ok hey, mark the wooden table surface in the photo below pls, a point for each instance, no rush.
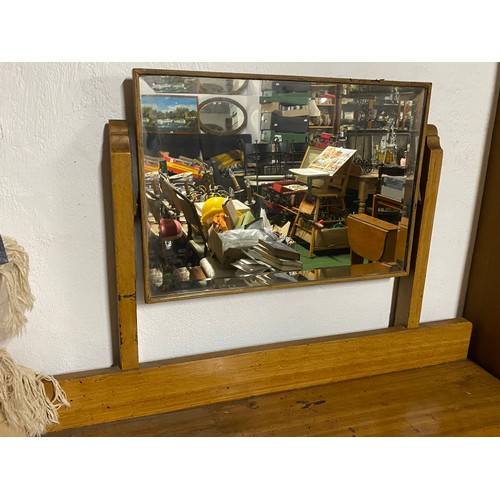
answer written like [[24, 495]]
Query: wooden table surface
[[451, 399]]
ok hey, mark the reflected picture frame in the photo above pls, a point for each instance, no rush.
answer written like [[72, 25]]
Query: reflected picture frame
[[169, 114], [312, 152]]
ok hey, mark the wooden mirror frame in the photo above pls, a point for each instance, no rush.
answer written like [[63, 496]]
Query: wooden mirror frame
[[348, 273]]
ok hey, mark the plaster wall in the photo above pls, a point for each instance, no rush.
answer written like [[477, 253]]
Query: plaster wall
[[54, 201]]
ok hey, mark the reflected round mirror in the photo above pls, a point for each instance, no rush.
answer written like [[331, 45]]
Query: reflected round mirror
[[222, 116]]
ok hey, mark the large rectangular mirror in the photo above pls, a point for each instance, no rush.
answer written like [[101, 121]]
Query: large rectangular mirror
[[252, 182]]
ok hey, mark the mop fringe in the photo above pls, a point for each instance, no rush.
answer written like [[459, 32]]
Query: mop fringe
[[24, 404], [14, 277], [23, 399]]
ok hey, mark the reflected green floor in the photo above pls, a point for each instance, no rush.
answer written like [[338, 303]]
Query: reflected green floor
[[322, 260]]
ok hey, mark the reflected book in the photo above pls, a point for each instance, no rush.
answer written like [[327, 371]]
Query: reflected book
[[331, 159], [260, 254], [279, 249]]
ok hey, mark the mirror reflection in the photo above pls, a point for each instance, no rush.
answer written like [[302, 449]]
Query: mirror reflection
[[221, 86], [222, 116], [289, 182]]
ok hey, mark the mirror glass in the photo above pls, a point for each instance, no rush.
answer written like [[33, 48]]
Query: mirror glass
[[291, 181], [221, 86], [222, 116]]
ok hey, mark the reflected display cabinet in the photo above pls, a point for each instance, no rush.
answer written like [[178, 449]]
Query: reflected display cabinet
[[254, 182]]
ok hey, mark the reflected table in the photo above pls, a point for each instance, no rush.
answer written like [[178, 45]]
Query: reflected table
[[310, 174], [365, 184]]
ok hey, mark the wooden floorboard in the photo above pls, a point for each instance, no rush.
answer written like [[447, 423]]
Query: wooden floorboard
[[451, 399]]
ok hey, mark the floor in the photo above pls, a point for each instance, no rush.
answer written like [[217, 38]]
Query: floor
[[453, 399]]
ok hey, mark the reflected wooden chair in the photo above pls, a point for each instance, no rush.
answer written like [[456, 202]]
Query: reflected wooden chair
[[187, 215], [169, 192], [384, 206], [196, 232], [154, 204], [324, 204]]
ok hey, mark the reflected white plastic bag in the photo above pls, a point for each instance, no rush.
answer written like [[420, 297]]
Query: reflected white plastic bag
[[240, 238]]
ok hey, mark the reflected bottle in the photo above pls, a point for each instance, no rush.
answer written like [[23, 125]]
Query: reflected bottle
[[381, 151], [390, 155], [379, 155], [405, 158], [391, 152]]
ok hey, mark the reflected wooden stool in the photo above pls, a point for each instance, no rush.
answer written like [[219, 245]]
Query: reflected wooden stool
[[311, 217], [322, 205]]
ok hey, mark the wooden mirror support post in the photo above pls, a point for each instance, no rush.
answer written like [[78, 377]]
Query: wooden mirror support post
[[123, 226], [409, 290], [136, 389]]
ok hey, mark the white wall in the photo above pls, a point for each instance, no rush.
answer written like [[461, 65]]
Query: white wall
[[52, 200]]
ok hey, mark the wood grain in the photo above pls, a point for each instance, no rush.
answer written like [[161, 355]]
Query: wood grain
[[123, 227], [371, 238], [410, 289], [134, 390], [114, 395], [451, 399]]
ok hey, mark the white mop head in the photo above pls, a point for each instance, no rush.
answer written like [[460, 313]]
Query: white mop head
[[15, 293]]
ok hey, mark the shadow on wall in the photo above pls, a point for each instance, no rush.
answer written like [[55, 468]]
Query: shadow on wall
[[128, 98]]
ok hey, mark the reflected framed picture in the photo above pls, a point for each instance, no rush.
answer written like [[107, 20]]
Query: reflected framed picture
[[170, 114], [311, 154]]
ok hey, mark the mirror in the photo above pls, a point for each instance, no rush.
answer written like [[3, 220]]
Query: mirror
[[222, 116], [221, 86], [292, 181]]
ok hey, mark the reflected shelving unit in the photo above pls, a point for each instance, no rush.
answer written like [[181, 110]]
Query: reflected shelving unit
[[323, 120]]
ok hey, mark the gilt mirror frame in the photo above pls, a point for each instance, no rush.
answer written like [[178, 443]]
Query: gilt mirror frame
[[192, 172]]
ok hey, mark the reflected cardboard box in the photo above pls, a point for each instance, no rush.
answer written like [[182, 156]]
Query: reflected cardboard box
[[328, 238], [288, 111], [224, 257]]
